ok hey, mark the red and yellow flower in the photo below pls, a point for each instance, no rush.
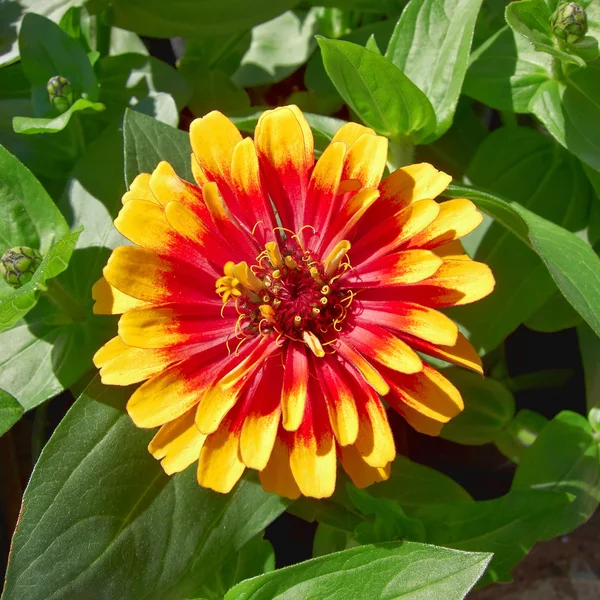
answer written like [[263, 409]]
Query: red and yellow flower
[[268, 306]]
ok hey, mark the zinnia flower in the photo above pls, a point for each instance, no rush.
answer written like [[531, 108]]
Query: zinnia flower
[[268, 306]]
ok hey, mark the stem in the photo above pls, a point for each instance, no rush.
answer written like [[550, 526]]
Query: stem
[[557, 69], [65, 302], [401, 152], [77, 135], [38, 431]]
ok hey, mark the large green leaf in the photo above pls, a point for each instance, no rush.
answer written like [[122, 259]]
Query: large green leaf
[[507, 526], [278, 48], [505, 72], [570, 111], [565, 458], [572, 264], [377, 91], [32, 125], [431, 45], [30, 217], [52, 347], [11, 17], [397, 570], [527, 167], [10, 411], [47, 51], [148, 141], [101, 520], [489, 406], [192, 17]]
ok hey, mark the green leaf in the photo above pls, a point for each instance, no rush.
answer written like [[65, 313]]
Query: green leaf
[[570, 111], [520, 434], [329, 539], [430, 45], [11, 16], [222, 53], [508, 526], [555, 314], [30, 217], [213, 90], [572, 264], [505, 72], [589, 348], [10, 411], [255, 558], [489, 406], [100, 518], [564, 458], [278, 48], [30, 125], [13, 83], [128, 78], [156, 18], [148, 141], [19, 302], [46, 51], [377, 91], [531, 19], [397, 570], [526, 167], [52, 347]]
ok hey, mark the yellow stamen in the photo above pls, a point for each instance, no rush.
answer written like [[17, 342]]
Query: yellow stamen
[[247, 277], [323, 300], [297, 320], [325, 290], [267, 312], [290, 263], [276, 274], [316, 312], [312, 341], [274, 254], [335, 257]]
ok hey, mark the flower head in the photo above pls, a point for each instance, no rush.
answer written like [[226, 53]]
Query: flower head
[[268, 306]]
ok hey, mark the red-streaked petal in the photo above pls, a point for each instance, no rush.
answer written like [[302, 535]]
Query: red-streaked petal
[[247, 186], [456, 219], [389, 234], [322, 197], [295, 384], [370, 374], [162, 326], [456, 282], [167, 187], [227, 386], [384, 347], [213, 139], [339, 400], [121, 364], [285, 150], [361, 473], [146, 275], [413, 183], [461, 353], [399, 268], [111, 301], [420, 422], [428, 392], [366, 159], [277, 476], [220, 465], [176, 390], [313, 454], [177, 444], [413, 319]]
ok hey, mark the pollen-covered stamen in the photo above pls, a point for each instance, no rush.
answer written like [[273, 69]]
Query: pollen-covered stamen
[[290, 293]]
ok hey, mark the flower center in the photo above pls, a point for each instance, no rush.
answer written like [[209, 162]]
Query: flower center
[[290, 292]]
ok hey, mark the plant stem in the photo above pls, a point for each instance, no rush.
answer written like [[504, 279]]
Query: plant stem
[[65, 302], [401, 152]]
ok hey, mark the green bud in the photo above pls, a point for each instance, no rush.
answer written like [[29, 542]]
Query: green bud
[[18, 265], [60, 93], [569, 22]]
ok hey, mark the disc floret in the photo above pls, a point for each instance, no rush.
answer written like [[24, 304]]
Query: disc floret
[[291, 293]]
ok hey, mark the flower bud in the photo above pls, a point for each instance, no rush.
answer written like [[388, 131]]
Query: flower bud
[[569, 22], [18, 265], [60, 92]]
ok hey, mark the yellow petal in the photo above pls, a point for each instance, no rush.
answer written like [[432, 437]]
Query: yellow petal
[[361, 473], [110, 301], [140, 190], [277, 476], [366, 159]]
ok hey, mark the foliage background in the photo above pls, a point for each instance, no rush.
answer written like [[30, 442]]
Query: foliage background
[[482, 90]]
